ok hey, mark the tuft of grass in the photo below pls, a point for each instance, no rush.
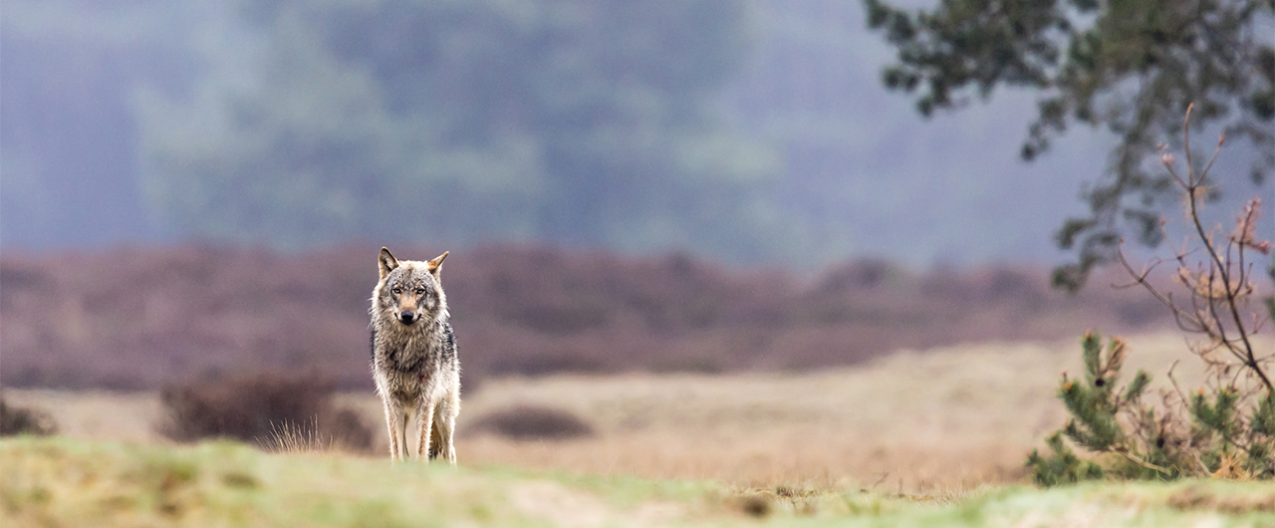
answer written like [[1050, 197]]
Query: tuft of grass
[[289, 437]]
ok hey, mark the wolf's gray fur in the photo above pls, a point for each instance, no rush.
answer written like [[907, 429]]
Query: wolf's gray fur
[[414, 361]]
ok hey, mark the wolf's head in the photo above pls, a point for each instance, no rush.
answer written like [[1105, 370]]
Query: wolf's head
[[409, 290]]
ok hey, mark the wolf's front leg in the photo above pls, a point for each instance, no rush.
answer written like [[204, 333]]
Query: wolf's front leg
[[395, 421], [445, 421], [403, 417], [424, 419]]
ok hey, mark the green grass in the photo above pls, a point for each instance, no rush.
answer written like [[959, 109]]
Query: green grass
[[65, 482]]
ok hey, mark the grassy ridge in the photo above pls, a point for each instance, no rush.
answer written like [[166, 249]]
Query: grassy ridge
[[64, 482]]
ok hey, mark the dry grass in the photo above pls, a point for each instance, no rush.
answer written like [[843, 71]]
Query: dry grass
[[945, 420], [96, 415], [294, 438]]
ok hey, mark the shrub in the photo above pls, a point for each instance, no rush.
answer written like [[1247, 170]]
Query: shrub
[[19, 420], [532, 422], [1225, 430], [271, 409], [1110, 421]]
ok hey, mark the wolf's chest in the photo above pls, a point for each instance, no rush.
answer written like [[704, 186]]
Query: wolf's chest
[[415, 357]]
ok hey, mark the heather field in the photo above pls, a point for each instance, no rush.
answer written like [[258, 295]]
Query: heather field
[[134, 319]]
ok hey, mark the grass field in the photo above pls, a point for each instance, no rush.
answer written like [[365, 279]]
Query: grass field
[[919, 438], [941, 420], [68, 482]]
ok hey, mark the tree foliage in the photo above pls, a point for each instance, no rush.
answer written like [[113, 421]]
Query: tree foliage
[[1132, 66], [570, 121]]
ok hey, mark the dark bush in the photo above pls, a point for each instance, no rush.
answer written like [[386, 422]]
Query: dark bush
[[18, 420], [532, 422], [347, 430], [255, 408]]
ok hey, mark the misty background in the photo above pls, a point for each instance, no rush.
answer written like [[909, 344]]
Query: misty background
[[751, 133]]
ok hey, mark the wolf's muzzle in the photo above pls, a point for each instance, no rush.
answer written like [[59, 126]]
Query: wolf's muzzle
[[406, 317]]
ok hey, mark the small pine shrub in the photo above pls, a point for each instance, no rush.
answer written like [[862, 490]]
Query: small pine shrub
[[257, 408], [1062, 466], [1108, 420], [1226, 430], [1209, 436]]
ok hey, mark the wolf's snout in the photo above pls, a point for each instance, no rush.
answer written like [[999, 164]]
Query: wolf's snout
[[406, 316]]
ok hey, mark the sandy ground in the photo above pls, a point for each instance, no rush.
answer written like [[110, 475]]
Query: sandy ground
[[937, 420]]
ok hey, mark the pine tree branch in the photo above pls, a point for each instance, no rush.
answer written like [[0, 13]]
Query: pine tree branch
[[1144, 463]]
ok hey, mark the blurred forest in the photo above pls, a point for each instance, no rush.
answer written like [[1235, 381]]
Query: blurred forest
[[749, 132]]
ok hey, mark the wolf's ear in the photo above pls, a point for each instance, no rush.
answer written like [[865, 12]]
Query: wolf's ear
[[387, 262], [437, 263]]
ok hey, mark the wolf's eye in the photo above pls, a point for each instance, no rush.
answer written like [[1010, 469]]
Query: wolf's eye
[[397, 291], [420, 291]]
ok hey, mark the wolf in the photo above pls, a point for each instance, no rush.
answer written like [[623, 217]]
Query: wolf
[[414, 362]]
